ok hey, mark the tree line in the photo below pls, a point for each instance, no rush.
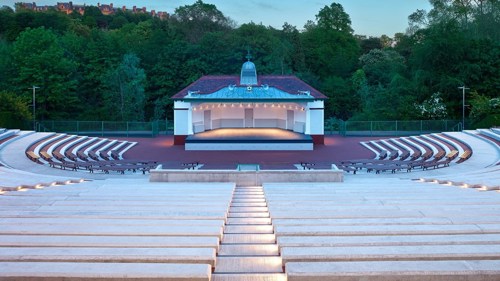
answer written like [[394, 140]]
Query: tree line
[[125, 66]]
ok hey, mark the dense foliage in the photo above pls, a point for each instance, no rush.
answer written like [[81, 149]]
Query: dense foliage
[[126, 66]]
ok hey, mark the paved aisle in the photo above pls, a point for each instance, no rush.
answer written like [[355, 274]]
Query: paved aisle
[[248, 250]]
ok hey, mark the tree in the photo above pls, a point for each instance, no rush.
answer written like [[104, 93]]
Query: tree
[[432, 108], [334, 17], [39, 59], [381, 65], [124, 95], [485, 111], [197, 19], [14, 110], [342, 101]]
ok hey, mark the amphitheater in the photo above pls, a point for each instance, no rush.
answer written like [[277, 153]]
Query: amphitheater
[[79, 208]]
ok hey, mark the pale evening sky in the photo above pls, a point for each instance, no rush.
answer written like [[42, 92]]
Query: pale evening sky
[[369, 17]]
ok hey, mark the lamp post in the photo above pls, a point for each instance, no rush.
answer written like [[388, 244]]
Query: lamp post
[[34, 106], [463, 105]]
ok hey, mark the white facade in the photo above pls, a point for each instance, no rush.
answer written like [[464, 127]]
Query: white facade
[[301, 117]]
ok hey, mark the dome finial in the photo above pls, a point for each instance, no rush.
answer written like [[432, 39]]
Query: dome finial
[[249, 55]]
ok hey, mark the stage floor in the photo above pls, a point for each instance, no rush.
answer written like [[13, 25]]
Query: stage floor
[[249, 135], [249, 139]]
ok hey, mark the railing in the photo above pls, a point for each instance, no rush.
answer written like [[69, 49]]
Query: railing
[[390, 128], [106, 128], [332, 126]]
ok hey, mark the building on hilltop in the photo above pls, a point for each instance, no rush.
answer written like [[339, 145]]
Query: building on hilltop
[[249, 100], [106, 9]]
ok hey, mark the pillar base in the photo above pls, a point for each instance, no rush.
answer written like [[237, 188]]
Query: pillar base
[[318, 139], [180, 139]]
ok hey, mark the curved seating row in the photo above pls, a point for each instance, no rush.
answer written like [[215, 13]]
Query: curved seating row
[[408, 153], [85, 153]]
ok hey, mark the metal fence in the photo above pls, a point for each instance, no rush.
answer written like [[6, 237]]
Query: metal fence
[[390, 128], [332, 126], [106, 128]]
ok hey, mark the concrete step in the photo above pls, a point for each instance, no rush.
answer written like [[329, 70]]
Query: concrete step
[[248, 250], [129, 255], [248, 215], [381, 253], [248, 192], [95, 222], [247, 209], [248, 200], [129, 208], [389, 240], [346, 214], [353, 230], [233, 221], [111, 230], [475, 270], [248, 265], [56, 271], [248, 196], [248, 239], [249, 277], [369, 221], [182, 215], [108, 241], [257, 204], [248, 229]]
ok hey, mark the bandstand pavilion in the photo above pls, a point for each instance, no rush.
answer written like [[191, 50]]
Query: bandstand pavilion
[[249, 112]]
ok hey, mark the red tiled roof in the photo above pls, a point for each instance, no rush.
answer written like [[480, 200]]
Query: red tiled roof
[[287, 83]]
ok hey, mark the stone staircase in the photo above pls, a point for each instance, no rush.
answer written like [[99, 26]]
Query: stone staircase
[[248, 250]]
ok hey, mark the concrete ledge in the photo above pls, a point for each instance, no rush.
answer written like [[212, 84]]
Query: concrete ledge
[[109, 241], [357, 230], [23, 271], [486, 270], [112, 230], [246, 177], [394, 253], [125, 255], [389, 240]]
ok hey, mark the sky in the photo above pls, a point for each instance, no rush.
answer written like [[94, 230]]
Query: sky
[[368, 17]]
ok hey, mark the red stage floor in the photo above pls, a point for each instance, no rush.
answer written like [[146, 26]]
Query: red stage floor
[[161, 149]]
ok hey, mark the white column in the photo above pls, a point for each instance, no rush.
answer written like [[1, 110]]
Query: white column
[[315, 117], [183, 124]]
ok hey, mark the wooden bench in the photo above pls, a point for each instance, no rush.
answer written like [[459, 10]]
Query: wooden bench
[[452, 154], [93, 155], [393, 155], [115, 155], [32, 156], [383, 154], [464, 156], [470, 270], [56, 271], [104, 155], [82, 156], [404, 155], [45, 155], [306, 165]]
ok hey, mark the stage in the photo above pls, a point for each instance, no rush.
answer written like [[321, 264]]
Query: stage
[[249, 139]]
